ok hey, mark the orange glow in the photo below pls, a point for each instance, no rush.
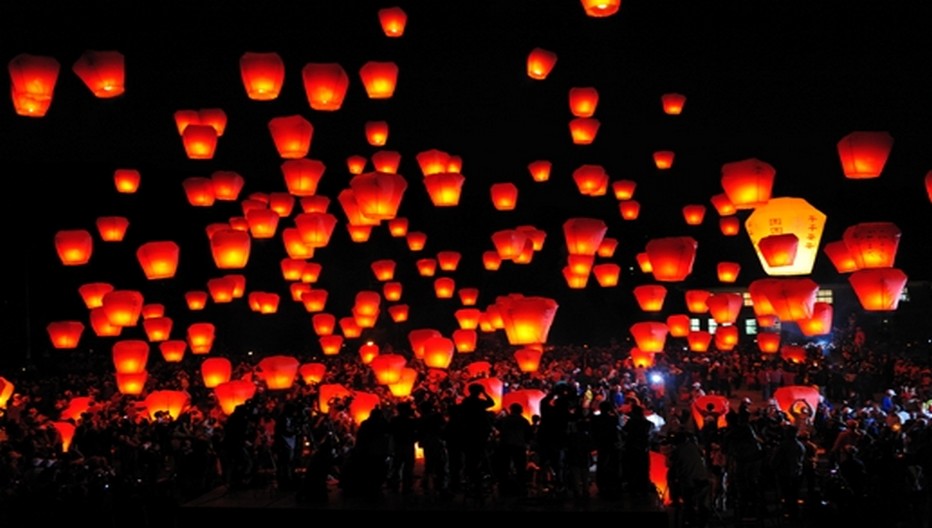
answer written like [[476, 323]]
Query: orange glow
[[650, 297], [673, 103], [663, 159], [600, 8], [540, 170], [583, 130], [262, 74], [126, 180], [200, 141], [393, 21], [325, 85], [112, 228], [159, 259], [540, 63], [32, 83], [292, 135], [728, 271], [694, 214], [863, 154], [103, 72], [583, 101], [65, 334], [444, 188], [504, 196], [379, 79], [607, 274], [74, 246], [377, 133]]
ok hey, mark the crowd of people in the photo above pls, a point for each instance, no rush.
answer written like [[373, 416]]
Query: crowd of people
[[600, 424]]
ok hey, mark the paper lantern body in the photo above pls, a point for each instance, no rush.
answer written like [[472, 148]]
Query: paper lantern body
[[262, 74], [863, 154]]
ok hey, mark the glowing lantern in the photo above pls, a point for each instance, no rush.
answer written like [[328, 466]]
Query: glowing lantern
[[231, 394], [331, 393], [379, 79], [790, 299], [694, 214], [131, 384], [779, 250], [387, 368], [576, 281], [698, 340], [591, 180], [384, 269], [112, 228], [444, 188], [159, 260], [643, 260], [433, 161], [262, 74], [399, 312], [821, 321], [427, 267], [153, 310], [723, 205], [220, 290], [719, 405], [199, 191], [878, 289], [368, 352], [438, 352], [172, 402], [65, 432], [872, 244], [226, 185], [65, 334], [292, 268], [766, 320], [504, 196], [748, 183], [377, 133], [726, 338], [696, 301], [416, 240], [841, 258], [600, 8], [584, 235], [230, 248], [314, 300], [793, 354], [624, 189], [393, 21], [494, 388], [324, 323], [584, 129], [92, 293], [157, 328], [465, 340], [444, 287], [729, 225], [122, 307], [650, 297], [529, 399], [540, 63], [386, 161], [302, 175], [214, 117], [418, 337], [183, 118], [74, 246], [201, 337], [526, 320], [392, 291], [126, 180], [768, 342], [663, 159], [6, 391], [32, 83], [671, 258], [678, 325], [352, 326], [725, 307], [130, 356], [330, 345], [528, 359], [449, 260], [215, 371], [640, 358], [325, 85], [797, 400], [264, 302], [362, 405], [607, 274], [728, 271], [491, 260], [650, 336], [278, 371], [312, 373], [315, 228], [673, 103], [540, 170], [928, 184], [101, 325], [629, 209], [173, 350], [292, 135], [509, 243], [200, 141], [378, 194], [102, 72], [583, 101], [398, 227], [863, 154], [787, 216]]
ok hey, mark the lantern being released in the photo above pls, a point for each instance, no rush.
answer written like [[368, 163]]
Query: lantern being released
[[781, 217]]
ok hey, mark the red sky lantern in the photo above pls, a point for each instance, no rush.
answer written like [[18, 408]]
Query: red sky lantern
[[444, 188], [227, 185], [315, 300], [673, 103], [583, 101], [325, 85], [312, 373], [130, 356], [720, 405], [377, 133], [173, 350], [101, 325], [671, 258], [433, 161], [841, 258], [312, 271], [790, 299], [663, 159], [131, 384], [878, 289], [528, 359], [540, 63], [591, 180], [298, 289], [392, 291], [694, 214], [444, 287], [607, 247], [696, 301], [379, 194], [491, 260], [103, 72], [863, 154], [282, 203], [768, 342], [650, 297], [640, 358], [92, 293], [386, 160], [650, 336], [172, 402], [468, 296], [65, 334], [123, 307], [32, 83], [230, 248], [509, 243], [748, 183], [583, 130], [526, 320], [384, 269], [928, 184], [781, 217], [438, 352], [379, 79], [126, 180], [728, 272], [467, 318], [624, 189], [583, 235], [112, 228], [399, 312], [264, 302], [157, 328], [449, 260], [576, 281], [262, 74], [292, 135], [278, 371], [426, 267], [387, 368], [362, 404], [723, 205], [398, 226], [199, 191], [600, 8], [316, 229], [607, 274], [196, 299], [698, 340], [351, 327], [416, 240], [324, 323], [302, 175], [821, 321], [393, 21], [200, 141], [540, 170], [729, 225], [221, 290], [465, 340], [504, 196], [330, 392], [201, 337], [183, 118], [214, 117], [779, 250], [726, 338], [292, 268], [152, 310], [159, 259], [330, 345], [678, 325], [872, 244], [356, 164], [74, 246], [725, 307], [231, 394], [629, 209], [793, 354], [643, 260]]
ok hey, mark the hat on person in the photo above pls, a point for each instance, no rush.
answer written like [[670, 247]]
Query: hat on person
[[697, 385]]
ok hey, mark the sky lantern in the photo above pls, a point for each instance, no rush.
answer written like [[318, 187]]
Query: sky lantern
[[353, 211], [230, 248], [262, 74], [509, 243], [720, 405], [74, 246], [199, 191], [173, 350], [927, 181], [841, 258], [723, 205], [330, 393], [444, 287], [624, 189], [352, 326], [449, 260], [694, 214], [377, 133], [444, 188], [231, 394], [379, 78], [540, 170], [583, 235], [315, 299], [724, 307], [227, 185], [65, 334], [278, 371], [292, 268], [650, 336], [6, 391], [311, 272], [157, 328], [673, 103], [663, 159], [748, 183], [779, 250], [32, 83], [726, 337], [131, 384], [438, 352], [426, 267], [418, 337], [607, 274], [433, 161], [872, 244], [387, 368], [159, 259], [797, 400], [529, 399], [528, 359], [302, 175], [671, 258], [393, 20], [315, 228], [330, 345], [101, 325], [821, 321], [465, 340], [600, 8], [196, 299], [504, 196], [591, 180], [392, 291], [477, 369], [378, 194], [416, 240], [292, 135], [356, 164], [678, 325], [729, 225], [362, 404], [325, 85], [494, 387], [526, 320], [697, 301], [282, 203], [540, 63], [92, 293], [583, 101], [786, 216], [768, 342], [404, 386], [201, 337], [650, 297], [607, 247], [130, 355], [172, 402], [153, 310], [298, 289], [103, 72], [640, 358], [386, 160], [575, 280], [200, 141], [264, 302], [112, 228], [629, 209], [220, 289], [77, 405], [398, 226], [698, 340], [324, 323], [584, 129], [312, 373], [878, 289], [863, 154], [399, 312], [384, 269], [728, 271], [122, 307], [126, 180], [468, 296], [643, 260], [491, 260], [791, 299]]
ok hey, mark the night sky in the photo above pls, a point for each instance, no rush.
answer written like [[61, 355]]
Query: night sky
[[779, 81]]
